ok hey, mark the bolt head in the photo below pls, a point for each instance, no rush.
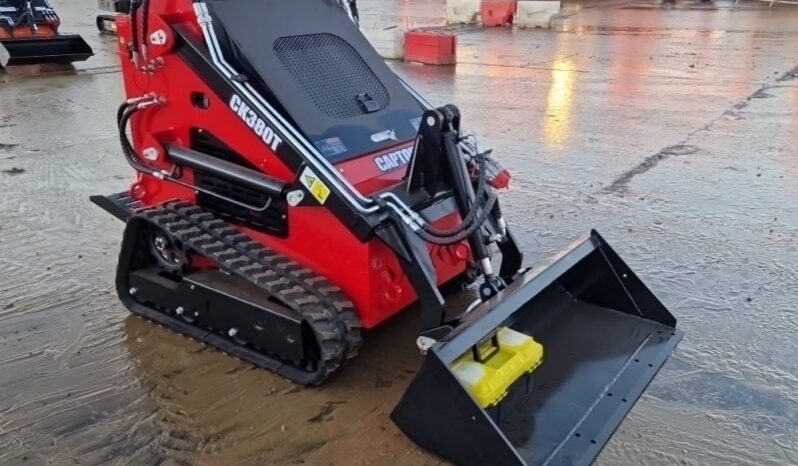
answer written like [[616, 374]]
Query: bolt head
[[151, 153], [161, 243], [232, 332], [158, 37], [180, 311], [133, 290], [295, 197]]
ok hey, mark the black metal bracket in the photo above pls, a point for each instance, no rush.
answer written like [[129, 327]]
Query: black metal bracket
[[417, 265], [428, 167], [438, 163]]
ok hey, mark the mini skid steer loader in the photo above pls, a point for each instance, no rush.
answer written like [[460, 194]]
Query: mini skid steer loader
[[291, 190], [29, 35]]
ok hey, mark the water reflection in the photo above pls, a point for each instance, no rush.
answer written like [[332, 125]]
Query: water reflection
[[559, 102]]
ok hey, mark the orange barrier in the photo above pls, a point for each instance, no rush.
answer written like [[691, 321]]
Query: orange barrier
[[498, 12], [431, 47]]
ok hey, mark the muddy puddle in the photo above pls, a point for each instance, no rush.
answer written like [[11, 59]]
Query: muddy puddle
[[149, 396]]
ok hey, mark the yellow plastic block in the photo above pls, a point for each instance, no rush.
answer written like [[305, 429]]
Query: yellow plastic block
[[488, 381]]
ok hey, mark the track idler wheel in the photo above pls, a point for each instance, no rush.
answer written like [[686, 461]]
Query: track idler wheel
[[169, 252]]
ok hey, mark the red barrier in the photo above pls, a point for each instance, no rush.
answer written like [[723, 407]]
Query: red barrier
[[430, 47], [498, 12]]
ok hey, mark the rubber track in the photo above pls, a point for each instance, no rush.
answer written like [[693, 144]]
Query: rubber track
[[325, 308]]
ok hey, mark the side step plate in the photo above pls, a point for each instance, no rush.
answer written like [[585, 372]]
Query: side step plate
[[605, 336], [120, 205]]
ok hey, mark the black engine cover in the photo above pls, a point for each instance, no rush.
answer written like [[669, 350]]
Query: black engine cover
[[311, 61]]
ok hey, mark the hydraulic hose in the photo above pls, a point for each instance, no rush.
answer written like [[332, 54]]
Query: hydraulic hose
[[120, 111], [125, 111], [469, 219], [123, 115], [484, 211]]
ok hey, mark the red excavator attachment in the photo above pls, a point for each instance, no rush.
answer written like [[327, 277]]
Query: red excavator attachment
[[29, 35]]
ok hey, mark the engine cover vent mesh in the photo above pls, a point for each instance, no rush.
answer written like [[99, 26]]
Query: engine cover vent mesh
[[332, 73]]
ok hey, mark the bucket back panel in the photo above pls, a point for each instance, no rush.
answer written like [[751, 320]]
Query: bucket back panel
[[311, 59], [619, 288], [63, 48], [592, 354]]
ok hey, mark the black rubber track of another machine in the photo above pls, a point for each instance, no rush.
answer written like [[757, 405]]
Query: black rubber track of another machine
[[324, 307]]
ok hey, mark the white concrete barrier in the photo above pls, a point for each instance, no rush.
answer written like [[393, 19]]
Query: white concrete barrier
[[462, 11], [536, 13], [389, 43], [4, 56]]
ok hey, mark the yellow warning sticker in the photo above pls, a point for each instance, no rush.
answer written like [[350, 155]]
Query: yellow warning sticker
[[320, 191], [314, 185]]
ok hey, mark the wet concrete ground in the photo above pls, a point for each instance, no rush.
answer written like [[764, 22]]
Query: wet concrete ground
[[673, 131]]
